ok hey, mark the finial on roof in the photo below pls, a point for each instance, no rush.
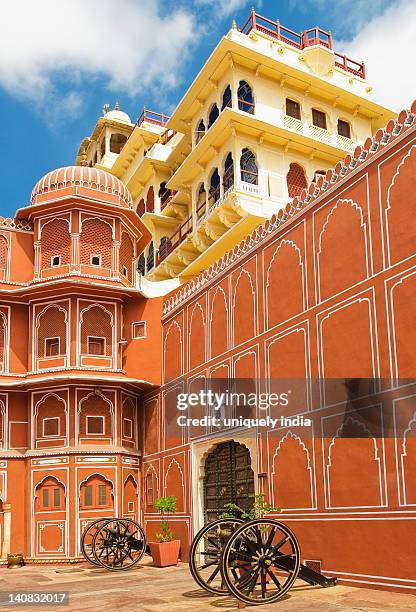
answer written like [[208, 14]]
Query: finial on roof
[[234, 25], [116, 106]]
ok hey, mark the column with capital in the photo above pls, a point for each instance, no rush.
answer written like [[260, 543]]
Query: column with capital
[[7, 524], [75, 263], [116, 259], [36, 271]]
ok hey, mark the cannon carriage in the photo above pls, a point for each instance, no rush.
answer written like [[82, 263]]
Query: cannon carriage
[[256, 561]]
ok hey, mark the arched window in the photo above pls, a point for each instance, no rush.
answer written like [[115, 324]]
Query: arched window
[[164, 247], [150, 256], [55, 252], [50, 417], [213, 115], [117, 142], [150, 200], [200, 131], [141, 265], [49, 495], [96, 492], [51, 332], [248, 167], [3, 348], [126, 256], [141, 208], [96, 243], [201, 200], [3, 253], [245, 98], [96, 332], [226, 98], [228, 176], [296, 180], [214, 188], [163, 194], [95, 417]]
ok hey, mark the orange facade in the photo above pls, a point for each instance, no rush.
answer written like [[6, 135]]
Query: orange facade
[[324, 290]]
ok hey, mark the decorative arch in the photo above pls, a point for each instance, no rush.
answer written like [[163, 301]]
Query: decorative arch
[[172, 353], [96, 239], [197, 342], [228, 173], [130, 496], [213, 114], [52, 322], [292, 478], [150, 200], [200, 131], [45, 497], [54, 406], [408, 463], [51, 246], [174, 484], [95, 404], [214, 187], [4, 252], [4, 342], [219, 323], [296, 180], [245, 97], [96, 492], [342, 249], [96, 321], [244, 308], [399, 214], [349, 455], [151, 487], [226, 98], [284, 270]]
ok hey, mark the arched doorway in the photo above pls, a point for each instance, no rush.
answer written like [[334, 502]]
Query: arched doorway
[[228, 478]]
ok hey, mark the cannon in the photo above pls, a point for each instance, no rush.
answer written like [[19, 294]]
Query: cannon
[[116, 544], [257, 561]]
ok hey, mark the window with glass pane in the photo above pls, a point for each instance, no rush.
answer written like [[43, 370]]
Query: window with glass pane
[[319, 118], [102, 495], [45, 498], [56, 498], [51, 347], [96, 345], [292, 108], [344, 128], [88, 495]]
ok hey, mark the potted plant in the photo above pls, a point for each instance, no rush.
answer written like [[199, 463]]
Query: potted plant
[[165, 551]]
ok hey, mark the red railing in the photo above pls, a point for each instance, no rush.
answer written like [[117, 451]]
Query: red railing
[[176, 239], [166, 197], [314, 36], [152, 117], [166, 136]]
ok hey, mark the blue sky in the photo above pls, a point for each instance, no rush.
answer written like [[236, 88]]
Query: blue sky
[[61, 60]]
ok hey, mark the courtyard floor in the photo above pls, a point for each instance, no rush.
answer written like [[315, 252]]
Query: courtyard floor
[[151, 589]]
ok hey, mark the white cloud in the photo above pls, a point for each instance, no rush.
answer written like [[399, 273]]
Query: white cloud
[[387, 44], [225, 8], [48, 48]]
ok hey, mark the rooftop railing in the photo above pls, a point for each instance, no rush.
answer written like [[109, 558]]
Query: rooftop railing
[[152, 117], [308, 38]]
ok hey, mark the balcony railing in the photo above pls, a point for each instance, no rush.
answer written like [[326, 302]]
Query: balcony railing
[[246, 106], [166, 136], [152, 117], [166, 197], [308, 38], [174, 241]]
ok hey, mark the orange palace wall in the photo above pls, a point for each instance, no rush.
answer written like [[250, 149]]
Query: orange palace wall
[[327, 289]]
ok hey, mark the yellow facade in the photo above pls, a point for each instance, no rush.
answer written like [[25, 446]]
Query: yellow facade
[[288, 109]]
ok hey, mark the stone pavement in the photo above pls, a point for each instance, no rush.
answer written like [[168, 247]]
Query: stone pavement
[[151, 589]]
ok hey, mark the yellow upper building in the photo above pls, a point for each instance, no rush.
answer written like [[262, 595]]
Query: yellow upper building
[[269, 111]]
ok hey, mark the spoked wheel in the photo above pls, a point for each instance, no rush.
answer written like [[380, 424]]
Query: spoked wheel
[[260, 561], [87, 538], [204, 556], [119, 544]]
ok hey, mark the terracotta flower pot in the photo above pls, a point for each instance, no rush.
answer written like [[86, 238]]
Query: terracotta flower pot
[[165, 553], [14, 560]]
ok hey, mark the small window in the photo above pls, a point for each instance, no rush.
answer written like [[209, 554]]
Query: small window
[[319, 119], [102, 495], [45, 498], [344, 128], [88, 495], [56, 260], [56, 498], [52, 347], [128, 428], [139, 329], [95, 425], [96, 346], [149, 489], [51, 426], [317, 174], [95, 260], [125, 271], [130, 506], [292, 109]]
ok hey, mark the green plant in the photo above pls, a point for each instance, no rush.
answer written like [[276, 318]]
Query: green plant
[[165, 506], [259, 509]]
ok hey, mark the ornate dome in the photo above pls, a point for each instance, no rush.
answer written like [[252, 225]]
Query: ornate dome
[[81, 181], [118, 115]]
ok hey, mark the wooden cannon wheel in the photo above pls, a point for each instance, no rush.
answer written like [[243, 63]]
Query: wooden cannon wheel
[[118, 544], [260, 561], [87, 539], [205, 553]]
